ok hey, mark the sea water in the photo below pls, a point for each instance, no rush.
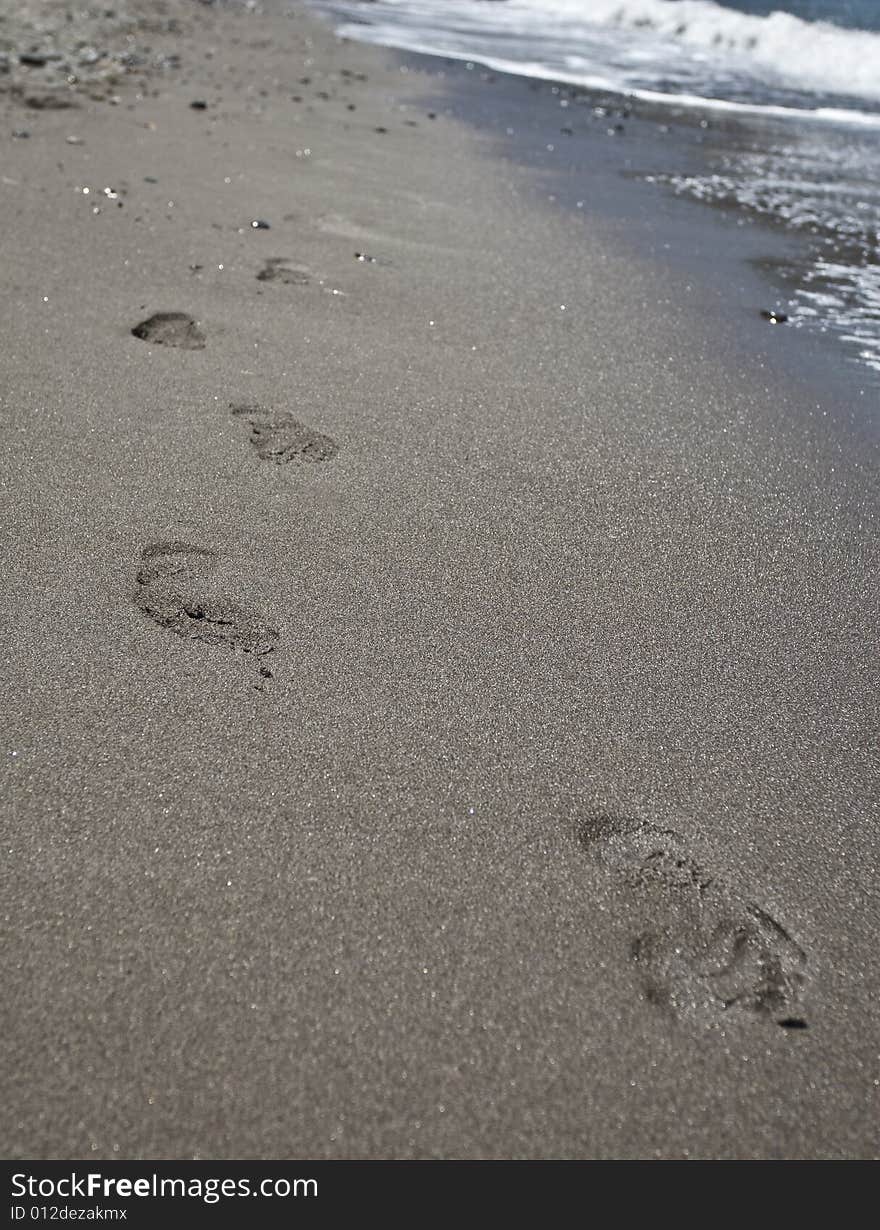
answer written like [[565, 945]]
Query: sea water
[[800, 77]]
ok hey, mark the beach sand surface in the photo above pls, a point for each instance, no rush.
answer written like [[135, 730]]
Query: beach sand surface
[[439, 689]]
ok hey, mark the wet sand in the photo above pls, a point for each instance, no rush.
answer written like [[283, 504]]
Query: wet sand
[[440, 677]]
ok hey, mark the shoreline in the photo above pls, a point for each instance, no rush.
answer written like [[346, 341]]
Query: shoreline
[[762, 171], [736, 263], [568, 621]]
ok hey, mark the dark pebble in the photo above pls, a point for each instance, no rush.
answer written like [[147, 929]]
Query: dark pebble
[[259, 224], [775, 318], [199, 104]]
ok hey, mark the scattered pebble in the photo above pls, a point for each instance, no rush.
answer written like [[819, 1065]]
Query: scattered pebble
[[199, 104], [774, 317], [259, 224], [21, 134]]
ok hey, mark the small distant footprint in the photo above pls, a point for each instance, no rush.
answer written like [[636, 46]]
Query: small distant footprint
[[174, 588], [279, 269], [711, 953], [281, 438], [171, 329]]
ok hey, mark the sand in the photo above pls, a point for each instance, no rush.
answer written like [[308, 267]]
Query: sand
[[439, 666]]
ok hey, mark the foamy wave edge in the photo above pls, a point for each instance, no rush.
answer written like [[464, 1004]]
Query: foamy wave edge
[[393, 36], [815, 55]]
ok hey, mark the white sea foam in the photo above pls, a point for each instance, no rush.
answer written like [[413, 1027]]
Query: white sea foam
[[693, 51], [819, 179], [825, 190], [806, 54], [845, 299]]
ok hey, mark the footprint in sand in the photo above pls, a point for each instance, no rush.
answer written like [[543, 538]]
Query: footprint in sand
[[281, 438], [171, 329], [279, 269], [711, 954], [174, 587]]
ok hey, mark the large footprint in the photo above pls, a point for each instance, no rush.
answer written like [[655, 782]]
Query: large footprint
[[174, 588], [281, 438], [712, 954]]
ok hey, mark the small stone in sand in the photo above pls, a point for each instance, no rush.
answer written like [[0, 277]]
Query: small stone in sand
[[774, 317]]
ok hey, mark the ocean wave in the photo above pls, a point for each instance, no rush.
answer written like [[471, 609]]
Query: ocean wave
[[655, 49], [804, 53], [812, 54]]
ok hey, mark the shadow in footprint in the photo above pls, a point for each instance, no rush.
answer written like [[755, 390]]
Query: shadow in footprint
[[281, 438], [279, 269], [711, 953], [174, 589], [171, 329]]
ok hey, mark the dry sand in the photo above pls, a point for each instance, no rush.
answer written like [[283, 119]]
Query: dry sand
[[439, 722]]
